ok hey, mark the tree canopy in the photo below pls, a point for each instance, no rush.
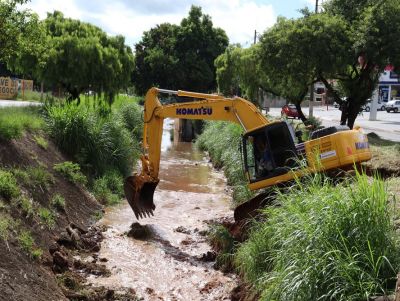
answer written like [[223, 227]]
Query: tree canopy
[[82, 57], [346, 47], [179, 56], [19, 28]]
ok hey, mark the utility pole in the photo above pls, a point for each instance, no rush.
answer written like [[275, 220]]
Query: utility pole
[[311, 105], [255, 36]]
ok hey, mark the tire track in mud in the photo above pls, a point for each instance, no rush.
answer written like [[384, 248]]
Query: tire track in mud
[[167, 264]]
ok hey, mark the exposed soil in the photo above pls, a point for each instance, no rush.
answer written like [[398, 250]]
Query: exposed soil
[[21, 276]]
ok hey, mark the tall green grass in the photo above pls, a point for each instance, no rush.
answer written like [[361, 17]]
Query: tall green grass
[[324, 243], [15, 120], [222, 141], [97, 142]]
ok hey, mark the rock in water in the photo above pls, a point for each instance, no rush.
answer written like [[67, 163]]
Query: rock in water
[[138, 231]]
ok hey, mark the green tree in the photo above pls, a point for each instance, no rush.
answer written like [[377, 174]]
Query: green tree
[[238, 72], [15, 25], [155, 59], [373, 29], [179, 56], [294, 53], [82, 57], [349, 44]]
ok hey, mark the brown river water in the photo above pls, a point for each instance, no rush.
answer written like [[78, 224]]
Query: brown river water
[[166, 266]]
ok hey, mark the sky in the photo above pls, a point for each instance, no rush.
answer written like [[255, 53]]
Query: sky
[[130, 18]]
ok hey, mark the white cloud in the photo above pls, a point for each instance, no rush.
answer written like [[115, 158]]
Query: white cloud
[[239, 18], [68, 7]]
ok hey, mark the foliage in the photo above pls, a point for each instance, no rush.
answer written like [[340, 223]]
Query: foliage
[[27, 243], [58, 202], [179, 56], [26, 206], [96, 142], [26, 240], [5, 225], [238, 72], [39, 176], [42, 142], [47, 217], [77, 57], [108, 189], [324, 242], [222, 140], [130, 114], [333, 47], [17, 25], [14, 121], [8, 185], [71, 171], [223, 242]]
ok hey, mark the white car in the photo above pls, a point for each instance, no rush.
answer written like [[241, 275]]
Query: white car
[[393, 105]]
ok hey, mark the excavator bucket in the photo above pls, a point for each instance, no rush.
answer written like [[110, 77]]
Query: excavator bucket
[[139, 193], [251, 208]]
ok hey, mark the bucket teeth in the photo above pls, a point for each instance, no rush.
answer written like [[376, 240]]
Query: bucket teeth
[[139, 191]]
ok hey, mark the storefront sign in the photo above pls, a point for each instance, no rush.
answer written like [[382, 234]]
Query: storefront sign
[[8, 88]]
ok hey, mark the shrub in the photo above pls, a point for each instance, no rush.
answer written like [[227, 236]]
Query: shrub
[[221, 140], [58, 202], [109, 188], [69, 127], [71, 171], [98, 143], [8, 185], [47, 217], [14, 120], [26, 241], [26, 206], [131, 116], [223, 242], [39, 176], [324, 243]]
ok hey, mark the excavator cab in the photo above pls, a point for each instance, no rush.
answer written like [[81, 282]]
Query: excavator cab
[[269, 152]]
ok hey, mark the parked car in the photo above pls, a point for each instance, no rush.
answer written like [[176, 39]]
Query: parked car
[[289, 111], [393, 106], [367, 106]]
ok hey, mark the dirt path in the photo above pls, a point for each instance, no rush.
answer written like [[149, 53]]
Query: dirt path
[[167, 265]]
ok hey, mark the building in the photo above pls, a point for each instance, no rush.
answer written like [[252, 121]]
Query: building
[[389, 85]]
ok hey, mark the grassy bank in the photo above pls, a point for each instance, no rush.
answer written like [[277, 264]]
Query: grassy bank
[[103, 140], [15, 120], [222, 140], [324, 242], [105, 145]]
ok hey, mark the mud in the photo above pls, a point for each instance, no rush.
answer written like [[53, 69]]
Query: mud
[[170, 260]]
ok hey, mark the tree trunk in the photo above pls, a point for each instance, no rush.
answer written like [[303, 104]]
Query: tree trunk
[[344, 107], [352, 115], [301, 114]]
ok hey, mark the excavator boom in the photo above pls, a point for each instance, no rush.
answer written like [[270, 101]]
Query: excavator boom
[[270, 155]]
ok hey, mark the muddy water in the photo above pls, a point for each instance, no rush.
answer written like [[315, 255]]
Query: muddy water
[[166, 266]]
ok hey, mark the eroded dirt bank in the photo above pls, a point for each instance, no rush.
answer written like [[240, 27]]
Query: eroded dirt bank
[[168, 264]]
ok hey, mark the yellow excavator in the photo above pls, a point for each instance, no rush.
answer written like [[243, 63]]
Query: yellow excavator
[[270, 154]]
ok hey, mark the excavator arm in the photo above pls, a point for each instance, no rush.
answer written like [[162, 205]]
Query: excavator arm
[[272, 141]]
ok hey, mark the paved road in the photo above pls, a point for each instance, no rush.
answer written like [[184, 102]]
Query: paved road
[[387, 125], [18, 103]]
